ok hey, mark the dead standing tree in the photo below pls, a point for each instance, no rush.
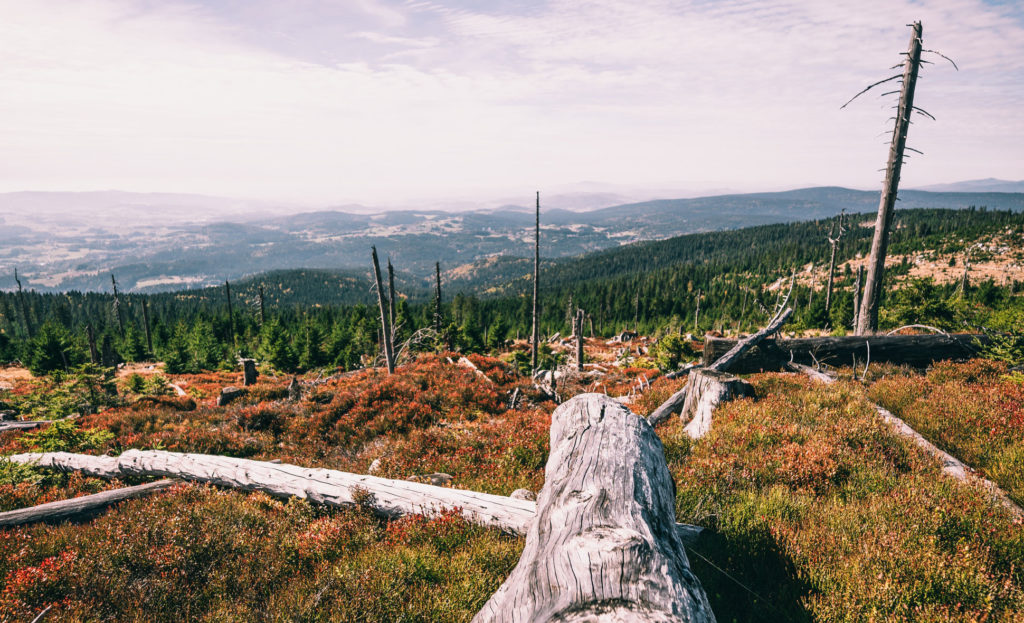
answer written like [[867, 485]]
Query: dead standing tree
[[231, 314], [535, 334], [867, 320], [834, 243], [389, 352], [437, 298], [391, 297], [117, 306], [24, 307]]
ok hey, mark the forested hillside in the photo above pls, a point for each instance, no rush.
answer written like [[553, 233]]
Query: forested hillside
[[316, 317]]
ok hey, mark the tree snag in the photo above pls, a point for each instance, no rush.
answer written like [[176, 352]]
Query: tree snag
[[389, 352], [535, 335], [705, 389], [603, 545], [867, 321]]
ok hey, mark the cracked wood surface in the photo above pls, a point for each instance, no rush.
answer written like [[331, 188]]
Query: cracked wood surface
[[603, 546]]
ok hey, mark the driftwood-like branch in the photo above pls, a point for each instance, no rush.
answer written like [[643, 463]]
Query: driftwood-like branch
[[386, 497], [917, 326], [77, 507], [726, 361], [603, 546], [951, 466], [667, 408]]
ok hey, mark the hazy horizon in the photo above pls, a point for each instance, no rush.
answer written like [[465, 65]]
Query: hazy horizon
[[389, 102]]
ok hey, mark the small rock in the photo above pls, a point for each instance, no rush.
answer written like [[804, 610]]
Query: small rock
[[524, 494], [438, 479], [374, 467]]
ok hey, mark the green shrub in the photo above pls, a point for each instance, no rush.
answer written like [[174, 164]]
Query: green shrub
[[66, 436]]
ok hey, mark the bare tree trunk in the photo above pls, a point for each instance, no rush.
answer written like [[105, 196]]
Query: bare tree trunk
[[603, 546], [231, 313], [834, 242], [263, 317], [117, 306], [437, 298], [705, 390], [696, 314], [857, 294], [391, 296], [535, 335], [868, 320], [94, 357], [389, 353], [579, 340], [29, 330], [145, 321]]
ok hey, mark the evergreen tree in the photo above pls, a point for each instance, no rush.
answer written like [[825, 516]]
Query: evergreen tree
[[274, 347], [53, 349]]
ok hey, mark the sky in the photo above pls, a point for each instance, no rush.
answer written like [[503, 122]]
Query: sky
[[398, 101]]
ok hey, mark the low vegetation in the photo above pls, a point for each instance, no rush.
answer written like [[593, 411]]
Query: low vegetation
[[815, 510]]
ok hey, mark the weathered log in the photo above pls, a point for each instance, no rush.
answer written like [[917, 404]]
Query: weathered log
[[77, 507], [913, 350], [728, 359], [389, 498], [22, 425], [663, 412], [705, 390], [603, 546], [951, 466]]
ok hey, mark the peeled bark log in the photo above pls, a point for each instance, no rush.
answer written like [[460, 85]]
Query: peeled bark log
[[705, 390], [77, 507], [734, 354], [951, 466], [390, 498], [603, 546], [913, 350], [22, 425], [666, 409]]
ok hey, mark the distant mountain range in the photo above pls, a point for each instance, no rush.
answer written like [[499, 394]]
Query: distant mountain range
[[987, 185], [169, 242]]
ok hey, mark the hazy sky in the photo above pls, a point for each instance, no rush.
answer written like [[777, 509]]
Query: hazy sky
[[331, 101]]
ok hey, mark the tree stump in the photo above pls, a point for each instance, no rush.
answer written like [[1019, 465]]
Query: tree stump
[[229, 394], [705, 389], [249, 373], [603, 546]]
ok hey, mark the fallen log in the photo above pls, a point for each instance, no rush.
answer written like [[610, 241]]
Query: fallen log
[[728, 359], [386, 497], [667, 408], [951, 466], [603, 546], [913, 350], [22, 425], [80, 506], [705, 390]]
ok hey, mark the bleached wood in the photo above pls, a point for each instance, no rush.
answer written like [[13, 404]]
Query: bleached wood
[[726, 361], [951, 466], [667, 408], [391, 498], [604, 546], [705, 390], [75, 507]]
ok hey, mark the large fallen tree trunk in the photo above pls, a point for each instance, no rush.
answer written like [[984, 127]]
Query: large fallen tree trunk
[[951, 466], [603, 546], [705, 390], [913, 350], [81, 506], [389, 498]]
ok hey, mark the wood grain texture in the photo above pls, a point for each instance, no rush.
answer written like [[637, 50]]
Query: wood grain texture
[[729, 358], [76, 507], [706, 389], [391, 498], [604, 546]]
